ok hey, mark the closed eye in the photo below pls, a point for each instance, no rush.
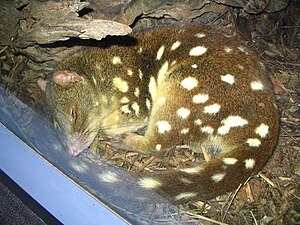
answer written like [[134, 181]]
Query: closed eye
[[72, 116]]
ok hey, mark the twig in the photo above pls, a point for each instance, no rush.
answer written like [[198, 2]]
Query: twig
[[249, 192], [267, 179], [207, 219], [295, 31], [231, 201], [255, 221], [147, 163], [3, 49]]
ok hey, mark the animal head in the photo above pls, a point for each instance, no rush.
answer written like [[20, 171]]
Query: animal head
[[73, 105]]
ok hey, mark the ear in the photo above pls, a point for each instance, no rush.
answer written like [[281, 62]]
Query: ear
[[66, 78], [42, 84]]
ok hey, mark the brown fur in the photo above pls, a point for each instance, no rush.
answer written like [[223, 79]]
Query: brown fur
[[113, 73]]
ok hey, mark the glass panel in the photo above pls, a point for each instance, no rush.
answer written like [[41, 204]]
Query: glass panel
[[124, 196]]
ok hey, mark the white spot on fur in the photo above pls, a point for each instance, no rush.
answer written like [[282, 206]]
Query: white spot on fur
[[162, 72], [212, 109], [240, 66], [257, 85], [228, 50], [140, 74], [104, 99], [189, 83], [253, 142], [175, 45], [109, 177], [228, 35], [162, 100], [262, 130], [184, 130], [94, 80], [263, 66], [125, 109], [242, 49], [185, 195], [183, 113], [152, 87], [163, 126], [198, 122], [228, 78], [185, 180], [200, 35], [229, 122], [207, 129], [148, 104], [218, 177], [149, 183], [116, 60], [234, 121], [160, 52], [222, 130], [197, 51], [200, 98], [230, 161], [136, 108], [194, 66], [140, 50], [158, 147], [129, 72], [98, 66], [137, 92], [120, 84], [124, 100], [192, 170], [249, 163]]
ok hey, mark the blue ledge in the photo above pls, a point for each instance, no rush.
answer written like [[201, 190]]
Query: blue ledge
[[58, 195]]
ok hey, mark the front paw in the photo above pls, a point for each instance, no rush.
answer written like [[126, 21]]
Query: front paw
[[117, 143], [127, 142]]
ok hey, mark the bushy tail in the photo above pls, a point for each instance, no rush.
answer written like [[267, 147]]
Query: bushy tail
[[213, 178]]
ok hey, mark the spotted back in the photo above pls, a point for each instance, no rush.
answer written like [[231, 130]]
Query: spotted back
[[211, 92], [187, 84]]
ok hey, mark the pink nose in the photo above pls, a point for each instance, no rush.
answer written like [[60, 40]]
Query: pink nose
[[73, 151]]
